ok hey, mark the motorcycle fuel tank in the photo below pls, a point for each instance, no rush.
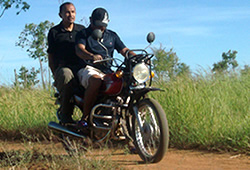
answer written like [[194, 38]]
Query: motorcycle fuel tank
[[111, 84]]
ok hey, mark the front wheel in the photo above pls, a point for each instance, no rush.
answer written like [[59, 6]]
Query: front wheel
[[150, 130]]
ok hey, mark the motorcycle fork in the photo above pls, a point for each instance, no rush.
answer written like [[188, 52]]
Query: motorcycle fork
[[114, 122], [137, 96], [138, 118]]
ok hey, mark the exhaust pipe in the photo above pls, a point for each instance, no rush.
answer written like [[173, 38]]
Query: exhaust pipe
[[59, 128]]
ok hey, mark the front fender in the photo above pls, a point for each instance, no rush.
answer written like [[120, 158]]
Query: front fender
[[137, 94], [141, 92]]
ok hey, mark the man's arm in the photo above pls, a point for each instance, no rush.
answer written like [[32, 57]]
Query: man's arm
[[85, 54], [51, 63], [124, 51], [120, 47], [51, 50]]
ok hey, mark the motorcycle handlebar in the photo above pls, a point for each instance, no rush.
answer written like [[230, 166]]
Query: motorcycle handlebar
[[135, 50], [103, 60]]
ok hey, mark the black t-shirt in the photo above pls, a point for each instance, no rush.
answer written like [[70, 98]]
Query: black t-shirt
[[110, 40], [62, 45]]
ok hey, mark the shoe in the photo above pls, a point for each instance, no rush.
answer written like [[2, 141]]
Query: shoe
[[132, 148], [66, 119], [82, 124]]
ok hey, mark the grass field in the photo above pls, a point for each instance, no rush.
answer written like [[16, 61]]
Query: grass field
[[204, 112], [208, 112]]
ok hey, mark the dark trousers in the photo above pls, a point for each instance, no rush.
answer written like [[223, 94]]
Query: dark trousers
[[65, 83]]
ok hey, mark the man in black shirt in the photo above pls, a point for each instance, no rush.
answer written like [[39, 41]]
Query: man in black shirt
[[63, 61]]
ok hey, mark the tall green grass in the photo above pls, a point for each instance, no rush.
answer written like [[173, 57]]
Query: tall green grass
[[206, 111], [25, 112]]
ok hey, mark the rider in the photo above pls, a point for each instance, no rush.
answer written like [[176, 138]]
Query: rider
[[88, 48], [63, 61]]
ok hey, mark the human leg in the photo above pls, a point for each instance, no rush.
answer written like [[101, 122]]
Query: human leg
[[91, 79], [91, 94], [65, 83]]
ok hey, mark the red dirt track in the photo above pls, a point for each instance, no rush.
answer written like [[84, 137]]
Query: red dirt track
[[174, 159]]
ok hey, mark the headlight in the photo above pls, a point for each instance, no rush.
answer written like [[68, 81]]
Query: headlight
[[141, 73]]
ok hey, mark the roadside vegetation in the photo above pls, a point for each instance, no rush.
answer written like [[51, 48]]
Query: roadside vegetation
[[209, 112], [206, 111], [25, 112], [32, 155]]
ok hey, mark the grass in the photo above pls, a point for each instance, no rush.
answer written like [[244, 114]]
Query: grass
[[30, 156], [208, 112], [205, 112], [25, 112]]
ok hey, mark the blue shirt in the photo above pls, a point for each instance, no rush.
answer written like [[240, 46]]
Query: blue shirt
[[110, 40]]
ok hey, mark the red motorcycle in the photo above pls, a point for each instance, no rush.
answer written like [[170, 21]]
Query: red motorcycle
[[123, 109]]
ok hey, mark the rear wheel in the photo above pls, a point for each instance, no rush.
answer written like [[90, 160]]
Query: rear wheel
[[151, 135]]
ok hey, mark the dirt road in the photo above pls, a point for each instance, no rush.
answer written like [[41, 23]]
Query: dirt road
[[174, 159], [180, 159]]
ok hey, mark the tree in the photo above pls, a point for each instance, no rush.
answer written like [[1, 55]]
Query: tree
[[245, 70], [19, 4], [167, 65], [34, 39], [26, 78], [228, 59]]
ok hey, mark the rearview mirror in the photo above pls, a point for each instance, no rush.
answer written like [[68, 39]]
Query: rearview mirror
[[97, 34], [150, 37]]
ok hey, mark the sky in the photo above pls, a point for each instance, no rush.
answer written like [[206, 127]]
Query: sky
[[199, 31]]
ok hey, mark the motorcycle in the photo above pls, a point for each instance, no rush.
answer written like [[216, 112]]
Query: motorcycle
[[123, 110]]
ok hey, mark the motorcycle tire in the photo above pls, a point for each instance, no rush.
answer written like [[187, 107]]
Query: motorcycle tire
[[152, 142]]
